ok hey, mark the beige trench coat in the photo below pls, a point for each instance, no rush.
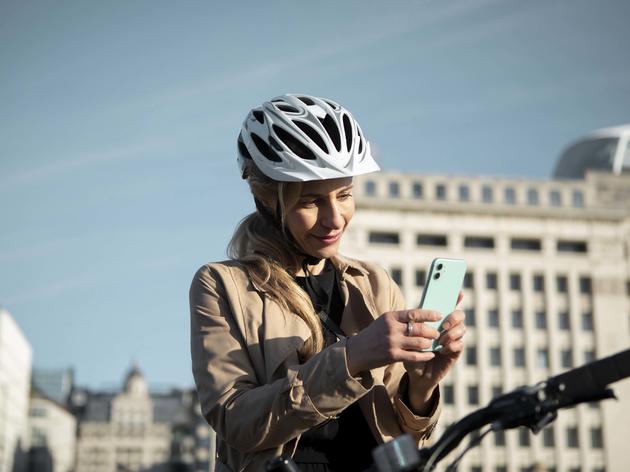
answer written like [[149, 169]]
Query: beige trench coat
[[254, 392]]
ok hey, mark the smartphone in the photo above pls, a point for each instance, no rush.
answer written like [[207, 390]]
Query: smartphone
[[441, 290]]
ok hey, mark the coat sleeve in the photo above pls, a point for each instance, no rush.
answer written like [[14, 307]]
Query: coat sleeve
[[248, 415], [420, 427]]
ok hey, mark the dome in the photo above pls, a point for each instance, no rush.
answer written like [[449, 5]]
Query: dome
[[606, 149], [135, 382]]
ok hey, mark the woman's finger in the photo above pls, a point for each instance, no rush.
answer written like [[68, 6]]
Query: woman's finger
[[416, 343], [453, 334], [417, 315], [452, 347], [454, 319], [422, 330]]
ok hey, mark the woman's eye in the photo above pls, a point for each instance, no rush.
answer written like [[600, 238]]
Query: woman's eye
[[344, 196]]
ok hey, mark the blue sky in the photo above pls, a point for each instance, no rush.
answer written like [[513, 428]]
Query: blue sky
[[118, 123]]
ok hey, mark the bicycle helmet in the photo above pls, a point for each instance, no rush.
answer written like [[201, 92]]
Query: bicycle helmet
[[296, 138]]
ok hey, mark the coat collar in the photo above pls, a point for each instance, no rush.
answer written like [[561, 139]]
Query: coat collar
[[341, 264]]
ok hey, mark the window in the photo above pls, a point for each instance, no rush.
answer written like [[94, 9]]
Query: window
[[578, 247], [493, 318], [382, 237], [449, 394], [471, 317], [440, 192], [578, 199], [585, 285], [473, 395], [523, 437], [515, 282], [499, 438], [525, 244], [589, 356], [394, 189], [555, 198], [431, 240], [564, 321], [562, 284], [397, 275], [566, 358], [541, 319], [496, 391], [38, 412], [475, 468], [539, 283], [548, 437], [464, 193], [468, 280], [542, 358], [370, 188], [500, 468], [471, 355], [573, 440], [519, 357], [487, 194], [416, 190], [517, 319], [421, 277], [491, 280], [479, 242], [587, 321], [495, 357], [509, 196], [532, 196], [597, 438]]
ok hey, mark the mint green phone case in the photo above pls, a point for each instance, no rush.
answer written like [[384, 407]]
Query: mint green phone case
[[441, 290]]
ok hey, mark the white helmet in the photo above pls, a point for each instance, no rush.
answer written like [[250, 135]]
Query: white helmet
[[295, 138]]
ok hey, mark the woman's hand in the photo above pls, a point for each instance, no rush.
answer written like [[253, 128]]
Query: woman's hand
[[425, 376], [386, 340]]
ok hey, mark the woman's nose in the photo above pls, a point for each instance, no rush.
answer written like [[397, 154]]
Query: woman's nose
[[331, 217]]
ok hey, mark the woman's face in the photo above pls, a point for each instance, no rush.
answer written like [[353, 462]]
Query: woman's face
[[320, 216]]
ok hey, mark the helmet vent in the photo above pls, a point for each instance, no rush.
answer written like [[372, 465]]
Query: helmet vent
[[242, 148], [334, 106], [331, 128], [347, 128], [360, 141], [293, 144], [260, 116], [275, 144], [311, 133], [306, 100], [287, 108], [265, 149]]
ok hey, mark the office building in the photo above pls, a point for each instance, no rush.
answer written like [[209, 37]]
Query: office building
[[547, 289], [15, 379]]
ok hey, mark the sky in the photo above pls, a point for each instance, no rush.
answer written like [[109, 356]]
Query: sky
[[118, 124]]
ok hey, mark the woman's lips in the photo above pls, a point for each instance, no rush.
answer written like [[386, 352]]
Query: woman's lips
[[329, 239]]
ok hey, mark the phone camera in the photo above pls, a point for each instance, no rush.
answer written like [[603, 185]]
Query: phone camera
[[439, 266], [436, 276]]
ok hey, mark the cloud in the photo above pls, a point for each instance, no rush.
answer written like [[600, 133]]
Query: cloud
[[30, 176]]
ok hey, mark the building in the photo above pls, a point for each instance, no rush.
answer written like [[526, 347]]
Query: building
[[55, 384], [15, 379], [139, 430], [547, 289], [52, 434]]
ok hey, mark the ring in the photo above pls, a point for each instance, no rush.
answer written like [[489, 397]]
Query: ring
[[409, 328]]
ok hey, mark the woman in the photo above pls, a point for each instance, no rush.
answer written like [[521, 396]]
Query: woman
[[296, 349]]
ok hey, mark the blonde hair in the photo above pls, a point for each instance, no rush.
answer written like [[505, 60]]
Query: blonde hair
[[261, 244]]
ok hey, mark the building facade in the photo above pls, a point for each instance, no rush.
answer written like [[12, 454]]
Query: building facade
[[139, 430], [547, 289], [15, 379], [52, 435]]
